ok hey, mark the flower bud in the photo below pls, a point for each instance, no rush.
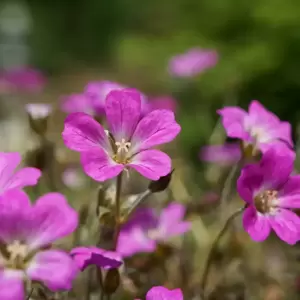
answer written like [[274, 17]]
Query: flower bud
[[111, 281], [161, 184]]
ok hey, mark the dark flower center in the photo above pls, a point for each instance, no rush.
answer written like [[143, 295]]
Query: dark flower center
[[266, 201]]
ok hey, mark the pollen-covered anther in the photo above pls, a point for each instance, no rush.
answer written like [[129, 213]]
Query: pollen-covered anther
[[123, 145], [17, 250], [266, 201]]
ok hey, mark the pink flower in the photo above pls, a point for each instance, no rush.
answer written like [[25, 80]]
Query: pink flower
[[270, 193], [162, 102], [161, 293], [226, 154], [128, 144], [23, 79], [146, 229], [85, 256], [25, 232], [97, 92], [11, 179], [77, 103], [192, 62], [258, 126]]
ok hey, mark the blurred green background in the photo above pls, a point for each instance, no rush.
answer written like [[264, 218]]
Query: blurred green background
[[131, 41]]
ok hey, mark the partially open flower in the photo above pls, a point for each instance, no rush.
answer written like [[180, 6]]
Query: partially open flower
[[25, 232], [146, 229], [271, 192], [103, 259], [128, 143], [192, 62]]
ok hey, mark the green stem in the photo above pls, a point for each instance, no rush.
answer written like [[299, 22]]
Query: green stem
[[214, 248], [117, 210]]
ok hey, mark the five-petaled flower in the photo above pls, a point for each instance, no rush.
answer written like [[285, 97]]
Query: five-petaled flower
[[258, 127], [10, 179], [105, 154], [270, 192], [146, 229], [103, 259], [192, 62], [162, 293], [26, 232]]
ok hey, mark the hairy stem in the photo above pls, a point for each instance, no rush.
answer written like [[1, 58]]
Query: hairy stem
[[214, 248], [117, 210]]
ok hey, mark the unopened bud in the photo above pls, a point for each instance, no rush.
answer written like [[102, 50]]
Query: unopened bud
[[111, 281], [38, 117], [161, 184]]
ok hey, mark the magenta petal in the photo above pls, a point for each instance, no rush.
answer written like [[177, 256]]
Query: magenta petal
[[123, 111], [233, 121], [161, 293], [258, 113], [14, 209], [8, 163], [11, 285], [249, 182], [83, 133], [256, 225], [24, 177], [152, 164], [156, 128], [286, 224], [52, 218], [55, 269], [76, 103], [99, 166], [81, 256]]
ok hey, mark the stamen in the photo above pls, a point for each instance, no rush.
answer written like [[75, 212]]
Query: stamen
[[123, 145], [266, 202], [17, 250]]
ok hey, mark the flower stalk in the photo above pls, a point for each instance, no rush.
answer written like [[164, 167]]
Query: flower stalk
[[117, 210]]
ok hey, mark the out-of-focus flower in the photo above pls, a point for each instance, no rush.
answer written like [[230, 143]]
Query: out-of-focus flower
[[162, 102], [105, 155], [38, 110], [11, 179], [85, 256], [146, 229], [97, 92], [72, 178], [258, 127], [192, 62], [77, 103], [270, 192], [25, 231], [22, 80], [162, 293], [225, 155]]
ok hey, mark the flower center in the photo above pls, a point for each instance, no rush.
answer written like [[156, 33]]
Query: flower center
[[121, 155], [14, 255], [266, 202]]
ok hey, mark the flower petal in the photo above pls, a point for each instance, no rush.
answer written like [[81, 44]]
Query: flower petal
[[77, 103], [152, 164], [99, 166], [14, 209], [249, 182], [123, 111], [161, 293], [55, 269], [258, 114], [156, 128], [24, 177], [286, 224], [52, 218], [290, 193], [233, 121], [83, 133], [11, 285], [256, 224], [8, 163]]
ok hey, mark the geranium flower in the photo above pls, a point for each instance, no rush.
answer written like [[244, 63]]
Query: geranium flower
[[11, 179], [25, 232], [103, 259], [146, 229], [192, 62], [162, 293], [104, 154], [258, 127], [270, 192], [77, 103]]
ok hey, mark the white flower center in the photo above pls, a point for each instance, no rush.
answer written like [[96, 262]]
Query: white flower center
[[17, 250], [123, 146]]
